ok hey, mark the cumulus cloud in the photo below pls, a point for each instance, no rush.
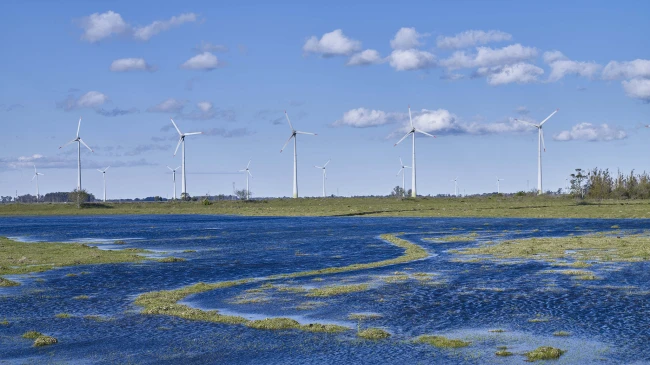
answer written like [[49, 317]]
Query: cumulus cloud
[[521, 73], [562, 66], [471, 38], [522, 110], [205, 61], [148, 31], [489, 57], [91, 99], [407, 38], [168, 106], [591, 132], [209, 47], [131, 64], [411, 59], [229, 133], [205, 110], [334, 43], [442, 121], [626, 70], [116, 112], [99, 26], [367, 57], [363, 118], [638, 89]]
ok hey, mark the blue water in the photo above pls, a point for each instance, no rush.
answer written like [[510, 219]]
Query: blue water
[[609, 319]]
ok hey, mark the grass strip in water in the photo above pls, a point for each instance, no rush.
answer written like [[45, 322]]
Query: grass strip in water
[[544, 353], [453, 238], [7, 283], [442, 342], [44, 341], [373, 334], [332, 290], [31, 335]]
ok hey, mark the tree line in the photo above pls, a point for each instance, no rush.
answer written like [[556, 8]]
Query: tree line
[[601, 184]]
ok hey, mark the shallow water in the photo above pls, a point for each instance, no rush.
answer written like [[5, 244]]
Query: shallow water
[[608, 318]]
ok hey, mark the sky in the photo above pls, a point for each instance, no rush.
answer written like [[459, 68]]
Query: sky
[[473, 73]]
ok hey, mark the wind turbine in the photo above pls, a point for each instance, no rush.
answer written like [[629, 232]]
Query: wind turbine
[[294, 135], [104, 175], [324, 174], [499, 185], [79, 143], [248, 173], [174, 177], [540, 144], [401, 171], [412, 132], [455, 186], [36, 174], [181, 139]]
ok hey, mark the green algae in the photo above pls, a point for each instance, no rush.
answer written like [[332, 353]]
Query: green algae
[[441, 342]]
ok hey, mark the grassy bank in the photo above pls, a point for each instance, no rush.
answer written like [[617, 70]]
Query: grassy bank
[[494, 206]]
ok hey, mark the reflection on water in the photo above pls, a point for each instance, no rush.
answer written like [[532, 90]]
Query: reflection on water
[[607, 318]]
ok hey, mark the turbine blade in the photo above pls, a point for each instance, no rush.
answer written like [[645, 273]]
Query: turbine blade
[[170, 169], [400, 170], [178, 145], [33, 177], [403, 138], [249, 172], [525, 122], [178, 130], [285, 145], [249, 163], [38, 173], [313, 134], [241, 170], [106, 169], [400, 161], [318, 167], [549, 117], [328, 161], [410, 119], [193, 133], [177, 168], [84, 143], [100, 171], [425, 133], [288, 120], [35, 169], [78, 127], [74, 140]]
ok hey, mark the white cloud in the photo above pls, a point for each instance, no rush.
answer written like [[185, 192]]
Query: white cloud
[[331, 44], [363, 118], [407, 38], [146, 32], [168, 106], [471, 38], [91, 99], [99, 26], [626, 70], [521, 73], [522, 110], [205, 61], [562, 66], [487, 57], [204, 106], [441, 121], [411, 59], [131, 64], [638, 89], [63, 161], [590, 132], [367, 57], [209, 47]]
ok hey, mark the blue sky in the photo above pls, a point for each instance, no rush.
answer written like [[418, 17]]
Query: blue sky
[[344, 71]]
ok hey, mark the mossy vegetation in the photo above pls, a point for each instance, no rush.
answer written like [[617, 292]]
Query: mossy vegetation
[[373, 334], [31, 335], [288, 323], [364, 316], [171, 259], [544, 353], [498, 330], [442, 342], [119, 242], [453, 238], [7, 283], [44, 341], [562, 334], [332, 290], [81, 297], [63, 315], [503, 353]]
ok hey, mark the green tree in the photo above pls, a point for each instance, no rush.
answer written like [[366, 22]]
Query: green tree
[[577, 187]]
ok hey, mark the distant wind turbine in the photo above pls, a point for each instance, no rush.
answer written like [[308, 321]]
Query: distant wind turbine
[[294, 134], [540, 144], [181, 139], [174, 178], [412, 132], [104, 175], [401, 171], [499, 185], [36, 175], [455, 186], [79, 143], [324, 168], [248, 173]]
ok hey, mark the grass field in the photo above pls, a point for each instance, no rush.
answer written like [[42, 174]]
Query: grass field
[[494, 206]]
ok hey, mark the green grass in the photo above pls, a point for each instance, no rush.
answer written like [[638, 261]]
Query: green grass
[[63, 315], [31, 335], [7, 283], [44, 341], [171, 259], [288, 323], [561, 333], [81, 297], [503, 353], [442, 342], [544, 353], [363, 316], [525, 207], [373, 334], [458, 238], [332, 290]]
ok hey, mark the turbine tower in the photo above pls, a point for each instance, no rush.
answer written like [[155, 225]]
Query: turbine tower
[[36, 174], [540, 144], [499, 185], [104, 175], [79, 143], [181, 139], [248, 173], [412, 132], [455, 186], [294, 134], [324, 168], [174, 178], [401, 171]]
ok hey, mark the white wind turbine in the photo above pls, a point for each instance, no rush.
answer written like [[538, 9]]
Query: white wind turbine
[[455, 186], [79, 143], [174, 178], [401, 171], [181, 139], [540, 144], [324, 168], [248, 173], [36, 175], [499, 185], [412, 132], [104, 175], [294, 134]]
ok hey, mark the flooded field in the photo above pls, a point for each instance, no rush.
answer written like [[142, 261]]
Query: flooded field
[[277, 308]]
